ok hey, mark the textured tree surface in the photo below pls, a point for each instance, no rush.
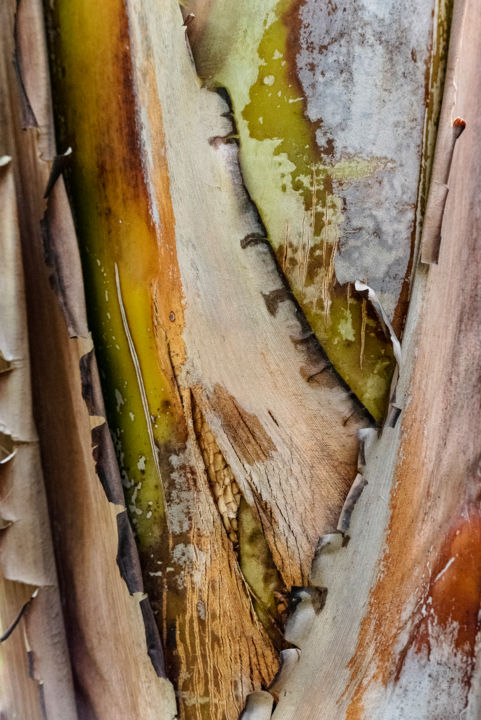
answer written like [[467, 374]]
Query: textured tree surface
[[409, 647], [221, 368], [53, 666], [334, 107], [283, 506]]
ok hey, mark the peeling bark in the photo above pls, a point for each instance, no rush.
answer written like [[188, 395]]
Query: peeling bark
[[406, 642], [35, 672], [108, 633], [276, 446], [234, 533], [335, 106]]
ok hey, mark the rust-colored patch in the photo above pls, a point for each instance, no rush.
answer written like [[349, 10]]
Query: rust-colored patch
[[243, 429], [451, 604], [447, 596], [166, 285], [454, 595], [434, 517], [122, 132]]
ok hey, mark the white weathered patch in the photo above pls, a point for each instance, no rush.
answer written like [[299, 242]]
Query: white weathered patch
[[192, 562], [441, 573], [201, 609], [430, 685], [258, 706], [179, 506], [362, 68], [345, 326]]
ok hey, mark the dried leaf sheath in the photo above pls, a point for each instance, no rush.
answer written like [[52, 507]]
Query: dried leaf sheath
[[35, 674], [34, 663]]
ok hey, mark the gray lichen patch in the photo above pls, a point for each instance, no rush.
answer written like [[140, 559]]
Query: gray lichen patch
[[363, 70]]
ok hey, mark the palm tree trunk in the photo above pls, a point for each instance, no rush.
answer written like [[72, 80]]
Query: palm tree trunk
[[250, 218]]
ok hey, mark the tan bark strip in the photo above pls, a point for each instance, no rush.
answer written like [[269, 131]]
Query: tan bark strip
[[449, 129], [62, 258], [35, 674], [432, 551], [257, 355], [21, 60]]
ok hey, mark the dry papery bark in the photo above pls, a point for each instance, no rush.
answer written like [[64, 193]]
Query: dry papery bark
[[386, 621], [87, 656]]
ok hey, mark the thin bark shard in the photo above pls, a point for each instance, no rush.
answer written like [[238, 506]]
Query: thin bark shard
[[28, 581]]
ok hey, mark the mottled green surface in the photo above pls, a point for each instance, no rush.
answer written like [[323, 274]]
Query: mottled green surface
[[251, 52], [260, 573], [90, 63]]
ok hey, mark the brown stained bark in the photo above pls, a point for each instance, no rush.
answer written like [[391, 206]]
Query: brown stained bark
[[35, 671], [35, 674]]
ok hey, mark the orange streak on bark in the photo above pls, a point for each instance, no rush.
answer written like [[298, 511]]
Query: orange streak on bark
[[455, 591]]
